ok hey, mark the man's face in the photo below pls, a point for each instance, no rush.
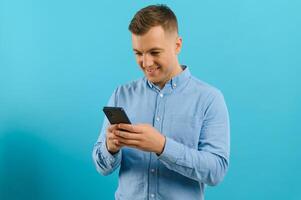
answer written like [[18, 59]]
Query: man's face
[[156, 54]]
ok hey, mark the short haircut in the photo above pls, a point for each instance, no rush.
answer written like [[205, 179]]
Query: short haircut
[[151, 16]]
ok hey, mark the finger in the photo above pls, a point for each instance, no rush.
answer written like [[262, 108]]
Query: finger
[[128, 142], [117, 143], [111, 136], [112, 127], [127, 135], [129, 128]]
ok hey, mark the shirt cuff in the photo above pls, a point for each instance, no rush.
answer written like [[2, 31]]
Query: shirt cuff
[[107, 155], [172, 151]]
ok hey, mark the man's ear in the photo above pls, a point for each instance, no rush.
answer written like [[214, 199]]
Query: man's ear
[[178, 44]]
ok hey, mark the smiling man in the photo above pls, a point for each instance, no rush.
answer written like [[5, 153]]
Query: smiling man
[[179, 140]]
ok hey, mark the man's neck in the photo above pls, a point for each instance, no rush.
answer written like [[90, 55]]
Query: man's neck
[[177, 71]]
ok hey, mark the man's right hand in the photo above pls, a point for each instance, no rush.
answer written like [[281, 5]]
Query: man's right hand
[[111, 140]]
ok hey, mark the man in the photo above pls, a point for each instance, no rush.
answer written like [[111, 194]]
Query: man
[[179, 139]]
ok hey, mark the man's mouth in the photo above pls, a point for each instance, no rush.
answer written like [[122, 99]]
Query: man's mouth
[[151, 71]]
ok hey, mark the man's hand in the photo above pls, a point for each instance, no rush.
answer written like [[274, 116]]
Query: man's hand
[[141, 136], [111, 140]]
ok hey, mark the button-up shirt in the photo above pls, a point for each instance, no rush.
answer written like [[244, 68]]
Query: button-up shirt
[[193, 117]]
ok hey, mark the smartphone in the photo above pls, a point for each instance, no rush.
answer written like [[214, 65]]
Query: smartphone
[[116, 115]]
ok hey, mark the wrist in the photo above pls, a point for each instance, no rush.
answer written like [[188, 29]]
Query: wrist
[[161, 146], [111, 151]]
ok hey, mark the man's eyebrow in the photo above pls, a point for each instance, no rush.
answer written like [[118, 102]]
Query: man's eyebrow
[[152, 49]]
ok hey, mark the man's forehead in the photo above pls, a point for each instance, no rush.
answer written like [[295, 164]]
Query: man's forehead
[[148, 44], [154, 39], [149, 37]]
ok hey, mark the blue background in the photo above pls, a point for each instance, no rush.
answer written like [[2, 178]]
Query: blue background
[[61, 60]]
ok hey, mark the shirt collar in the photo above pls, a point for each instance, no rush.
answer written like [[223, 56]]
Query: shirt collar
[[177, 80]]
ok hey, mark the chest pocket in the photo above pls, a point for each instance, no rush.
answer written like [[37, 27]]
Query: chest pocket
[[185, 130]]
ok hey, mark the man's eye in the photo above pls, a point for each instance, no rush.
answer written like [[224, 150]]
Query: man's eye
[[138, 54], [155, 53]]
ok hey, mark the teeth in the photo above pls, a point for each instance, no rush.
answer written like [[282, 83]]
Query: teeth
[[151, 70]]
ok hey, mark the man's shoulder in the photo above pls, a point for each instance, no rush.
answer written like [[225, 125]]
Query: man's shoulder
[[204, 87], [132, 85]]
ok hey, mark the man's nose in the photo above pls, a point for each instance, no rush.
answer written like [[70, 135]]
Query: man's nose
[[147, 61]]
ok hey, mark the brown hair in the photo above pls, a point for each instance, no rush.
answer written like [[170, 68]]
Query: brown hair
[[154, 15]]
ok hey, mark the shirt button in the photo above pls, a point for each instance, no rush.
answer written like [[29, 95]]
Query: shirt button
[[152, 170], [161, 95], [174, 85], [152, 195], [158, 118]]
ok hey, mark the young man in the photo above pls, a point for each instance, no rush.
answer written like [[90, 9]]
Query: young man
[[179, 140]]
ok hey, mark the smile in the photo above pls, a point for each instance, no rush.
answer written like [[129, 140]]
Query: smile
[[152, 70]]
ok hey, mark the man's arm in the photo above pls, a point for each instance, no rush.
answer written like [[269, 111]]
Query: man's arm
[[208, 163], [105, 162]]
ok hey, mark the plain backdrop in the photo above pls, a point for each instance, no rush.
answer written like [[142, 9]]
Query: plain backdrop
[[60, 60]]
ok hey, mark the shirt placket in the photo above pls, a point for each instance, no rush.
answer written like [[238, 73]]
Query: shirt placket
[[153, 167]]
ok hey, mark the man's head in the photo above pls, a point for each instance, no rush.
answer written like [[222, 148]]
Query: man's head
[[156, 43]]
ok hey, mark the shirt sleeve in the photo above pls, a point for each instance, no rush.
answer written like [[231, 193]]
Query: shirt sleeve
[[208, 163], [104, 161]]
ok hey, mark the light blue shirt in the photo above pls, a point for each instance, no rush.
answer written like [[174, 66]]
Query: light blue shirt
[[194, 119]]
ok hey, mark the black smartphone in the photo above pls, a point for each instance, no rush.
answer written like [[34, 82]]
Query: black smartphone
[[116, 115]]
